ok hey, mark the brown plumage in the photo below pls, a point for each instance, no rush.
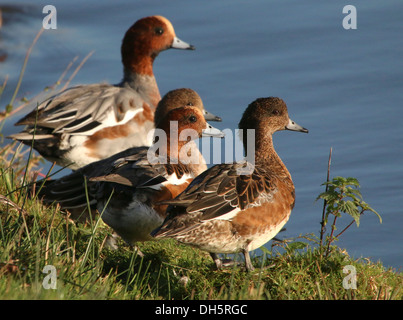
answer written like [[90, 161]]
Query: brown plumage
[[225, 210]]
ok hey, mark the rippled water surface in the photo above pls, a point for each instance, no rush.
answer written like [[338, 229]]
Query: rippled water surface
[[345, 86]]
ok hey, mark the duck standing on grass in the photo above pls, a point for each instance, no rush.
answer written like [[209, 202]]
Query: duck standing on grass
[[88, 123], [223, 211]]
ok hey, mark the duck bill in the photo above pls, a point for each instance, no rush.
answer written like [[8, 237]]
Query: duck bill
[[180, 44], [210, 131], [211, 117], [295, 127]]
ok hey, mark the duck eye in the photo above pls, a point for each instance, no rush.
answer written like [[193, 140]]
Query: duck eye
[[276, 112], [158, 30], [189, 104], [192, 119]]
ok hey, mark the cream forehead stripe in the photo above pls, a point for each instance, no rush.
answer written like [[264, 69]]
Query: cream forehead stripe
[[168, 24]]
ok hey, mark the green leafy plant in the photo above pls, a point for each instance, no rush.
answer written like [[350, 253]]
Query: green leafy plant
[[342, 195]]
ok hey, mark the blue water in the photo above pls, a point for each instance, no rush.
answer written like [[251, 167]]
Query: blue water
[[345, 86]]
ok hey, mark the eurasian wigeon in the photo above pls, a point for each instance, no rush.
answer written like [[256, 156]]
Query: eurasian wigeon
[[223, 211], [87, 123], [127, 187], [185, 97]]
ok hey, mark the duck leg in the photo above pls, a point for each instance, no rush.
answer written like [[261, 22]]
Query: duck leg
[[221, 263], [216, 260], [248, 262]]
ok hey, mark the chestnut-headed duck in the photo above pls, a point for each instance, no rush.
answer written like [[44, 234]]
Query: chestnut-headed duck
[[127, 187], [87, 123], [227, 209]]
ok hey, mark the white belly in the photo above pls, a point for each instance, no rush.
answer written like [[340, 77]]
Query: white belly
[[133, 223]]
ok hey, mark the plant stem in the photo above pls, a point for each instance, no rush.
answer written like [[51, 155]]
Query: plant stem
[[331, 236], [348, 226], [322, 230], [51, 87], [77, 69]]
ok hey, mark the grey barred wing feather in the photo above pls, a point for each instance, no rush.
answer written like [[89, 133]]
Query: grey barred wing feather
[[83, 109]]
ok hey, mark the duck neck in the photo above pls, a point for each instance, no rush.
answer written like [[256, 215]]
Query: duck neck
[[145, 85], [138, 75], [172, 151], [266, 156], [138, 64], [185, 151]]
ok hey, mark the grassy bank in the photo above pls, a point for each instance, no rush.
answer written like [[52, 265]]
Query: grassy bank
[[33, 236]]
